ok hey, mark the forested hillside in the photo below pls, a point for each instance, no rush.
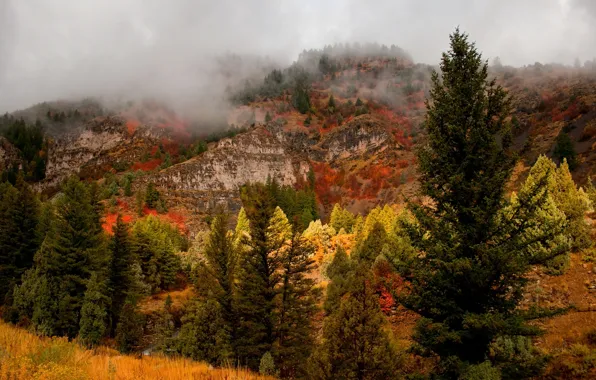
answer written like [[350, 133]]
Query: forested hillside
[[360, 217]]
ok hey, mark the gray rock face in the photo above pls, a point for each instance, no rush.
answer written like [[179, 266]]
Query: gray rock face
[[362, 135], [216, 176]]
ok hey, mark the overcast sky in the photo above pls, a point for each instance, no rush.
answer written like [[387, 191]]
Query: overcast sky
[[52, 49]]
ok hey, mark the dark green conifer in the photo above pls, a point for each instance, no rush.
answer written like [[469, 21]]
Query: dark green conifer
[[94, 312], [19, 217], [468, 280], [120, 271]]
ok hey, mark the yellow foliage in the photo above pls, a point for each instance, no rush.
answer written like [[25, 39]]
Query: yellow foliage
[[27, 356]]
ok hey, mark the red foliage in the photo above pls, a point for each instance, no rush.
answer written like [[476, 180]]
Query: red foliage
[[110, 221], [326, 180], [147, 166], [170, 146], [131, 126]]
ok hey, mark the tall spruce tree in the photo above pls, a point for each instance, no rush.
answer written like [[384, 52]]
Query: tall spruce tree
[[468, 280], [120, 280], [94, 312], [208, 332], [296, 305], [256, 290], [19, 217], [354, 344], [72, 250]]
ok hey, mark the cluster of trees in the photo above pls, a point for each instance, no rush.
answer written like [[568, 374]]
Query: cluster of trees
[[31, 142], [64, 276], [256, 299]]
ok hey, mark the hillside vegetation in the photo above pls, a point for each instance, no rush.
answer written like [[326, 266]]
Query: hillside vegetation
[[27, 356]]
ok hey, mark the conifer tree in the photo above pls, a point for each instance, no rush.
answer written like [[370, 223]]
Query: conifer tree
[[71, 251], [295, 308], [574, 203], [19, 217], [218, 275], [94, 312], [120, 271], [151, 196], [469, 278], [354, 344], [256, 290], [337, 272], [129, 331]]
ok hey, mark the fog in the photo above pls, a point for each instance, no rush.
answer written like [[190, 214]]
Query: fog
[[54, 49]]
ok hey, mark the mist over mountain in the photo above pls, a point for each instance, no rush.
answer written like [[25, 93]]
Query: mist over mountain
[[172, 51]]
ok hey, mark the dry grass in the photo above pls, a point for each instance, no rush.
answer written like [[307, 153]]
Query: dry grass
[[26, 356]]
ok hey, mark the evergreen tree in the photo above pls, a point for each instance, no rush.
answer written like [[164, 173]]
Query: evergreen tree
[[151, 196], [564, 150], [120, 271], [354, 344], [337, 272], [94, 312], [218, 278], [295, 308], [129, 331], [204, 334], [369, 248], [469, 280], [300, 96], [71, 251], [331, 104], [258, 278], [155, 243], [19, 217], [574, 203], [268, 117]]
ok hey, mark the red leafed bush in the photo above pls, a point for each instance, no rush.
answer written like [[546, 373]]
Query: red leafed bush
[[326, 181], [147, 166]]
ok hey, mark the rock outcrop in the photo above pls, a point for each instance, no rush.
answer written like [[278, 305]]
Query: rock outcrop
[[9, 155]]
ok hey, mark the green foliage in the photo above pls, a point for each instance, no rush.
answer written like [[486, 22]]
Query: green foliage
[[31, 142], [337, 272], [204, 334], [341, 218], [300, 206], [155, 244], [94, 315], [300, 91], [516, 357], [19, 237], [267, 365], [152, 196], [274, 299], [564, 150], [128, 185], [120, 276], [217, 274], [354, 344], [53, 291], [469, 279], [129, 330]]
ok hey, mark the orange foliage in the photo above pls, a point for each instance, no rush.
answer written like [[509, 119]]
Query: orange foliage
[[131, 126]]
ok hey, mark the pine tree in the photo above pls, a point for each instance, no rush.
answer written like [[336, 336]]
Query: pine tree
[[354, 344], [469, 279], [337, 272], [151, 196], [574, 203], [256, 290], [295, 308], [94, 312], [72, 250], [369, 248], [120, 272], [564, 150], [218, 273], [19, 217], [331, 104], [204, 334], [129, 331]]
